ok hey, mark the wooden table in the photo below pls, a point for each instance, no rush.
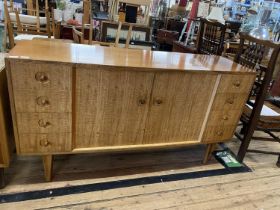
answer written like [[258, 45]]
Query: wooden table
[[69, 98]]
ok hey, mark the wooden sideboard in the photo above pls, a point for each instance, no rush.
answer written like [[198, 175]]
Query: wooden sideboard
[[69, 98]]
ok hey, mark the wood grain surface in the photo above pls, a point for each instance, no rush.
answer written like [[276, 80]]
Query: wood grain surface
[[139, 59], [5, 117]]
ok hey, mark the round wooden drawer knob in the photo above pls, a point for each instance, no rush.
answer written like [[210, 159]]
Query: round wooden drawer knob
[[225, 117], [42, 77], [43, 124], [220, 133], [230, 101], [237, 83], [45, 143], [43, 101]]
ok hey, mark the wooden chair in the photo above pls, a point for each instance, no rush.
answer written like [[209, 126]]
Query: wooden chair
[[28, 26], [79, 36], [251, 54], [210, 39]]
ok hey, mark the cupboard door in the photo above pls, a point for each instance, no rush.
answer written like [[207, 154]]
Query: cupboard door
[[111, 106], [178, 106]]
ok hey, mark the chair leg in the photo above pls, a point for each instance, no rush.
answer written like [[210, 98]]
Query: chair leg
[[48, 164], [2, 178], [278, 162], [243, 129], [207, 155], [245, 143]]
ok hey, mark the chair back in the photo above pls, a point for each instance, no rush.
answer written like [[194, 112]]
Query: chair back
[[260, 55], [27, 24], [211, 37], [78, 36]]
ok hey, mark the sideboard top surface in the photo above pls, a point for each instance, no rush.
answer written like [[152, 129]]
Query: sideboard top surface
[[109, 56]]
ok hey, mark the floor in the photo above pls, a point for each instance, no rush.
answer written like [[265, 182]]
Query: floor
[[173, 179]]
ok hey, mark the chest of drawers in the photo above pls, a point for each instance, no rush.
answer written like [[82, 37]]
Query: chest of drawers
[[102, 99]]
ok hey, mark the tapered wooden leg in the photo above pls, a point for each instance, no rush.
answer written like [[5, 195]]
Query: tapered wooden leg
[[210, 148], [2, 178], [48, 164]]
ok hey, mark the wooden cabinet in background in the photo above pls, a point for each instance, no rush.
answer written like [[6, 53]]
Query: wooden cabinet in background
[[69, 98]]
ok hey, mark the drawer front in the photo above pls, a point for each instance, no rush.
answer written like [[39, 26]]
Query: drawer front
[[38, 75], [42, 101], [229, 101], [218, 133], [224, 117], [235, 84], [44, 122], [45, 143]]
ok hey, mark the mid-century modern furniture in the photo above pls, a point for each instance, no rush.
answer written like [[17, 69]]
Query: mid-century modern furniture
[[72, 98], [251, 55], [210, 39], [5, 122]]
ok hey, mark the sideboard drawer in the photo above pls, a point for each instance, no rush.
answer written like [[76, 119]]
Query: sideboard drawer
[[45, 143], [218, 133], [44, 122], [42, 101], [229, 101], [235, 84], [224, 117], [36, 76]]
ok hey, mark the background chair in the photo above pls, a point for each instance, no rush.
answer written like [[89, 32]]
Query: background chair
[[252, 53], [210, 39], [38, 24]]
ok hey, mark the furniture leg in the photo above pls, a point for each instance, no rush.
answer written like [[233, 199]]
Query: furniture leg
[[278, 162], [210, 148], [48, 163], [2, 178]]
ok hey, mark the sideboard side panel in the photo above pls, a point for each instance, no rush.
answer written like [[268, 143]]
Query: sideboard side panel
[[227, 107]]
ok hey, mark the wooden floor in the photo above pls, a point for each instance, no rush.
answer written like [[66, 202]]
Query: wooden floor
[[259, 189]]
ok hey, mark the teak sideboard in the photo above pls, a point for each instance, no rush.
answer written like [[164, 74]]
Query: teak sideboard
[[69, 98]]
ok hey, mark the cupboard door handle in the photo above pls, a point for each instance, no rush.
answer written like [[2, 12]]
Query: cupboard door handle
[[142, 101], [43, 124], [44, 143], [158, 102], [237, 83], [220, 133], [42, 77]]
